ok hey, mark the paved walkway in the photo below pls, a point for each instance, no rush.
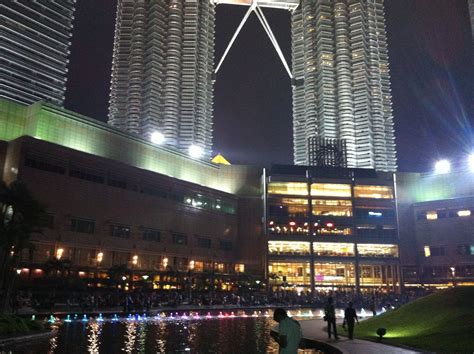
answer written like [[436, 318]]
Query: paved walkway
[[315, 330]]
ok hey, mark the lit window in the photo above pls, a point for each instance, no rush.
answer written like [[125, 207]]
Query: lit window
[[427, 251], [431, 215], [333, 249], [288, 247], [239, 268], [376, 192], [290, 188], [377, 250], [331, 190], [332, 207], [464, 213]]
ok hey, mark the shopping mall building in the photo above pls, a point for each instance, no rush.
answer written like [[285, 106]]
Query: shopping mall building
[[114, 199]]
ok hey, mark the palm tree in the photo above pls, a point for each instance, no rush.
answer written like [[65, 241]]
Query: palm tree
[[20, 217]]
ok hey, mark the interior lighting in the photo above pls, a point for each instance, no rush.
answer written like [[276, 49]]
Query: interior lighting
[[329, 224], [464, 213], [195, 151], [59, 253], [442, 167], [100, 257], [135, 260], [157, 138], [165, 262], [292, 223], [191, 264]]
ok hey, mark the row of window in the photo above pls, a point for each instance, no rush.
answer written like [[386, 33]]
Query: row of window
[[436, 251], [148, 234], [331, 190], [331, 228], [195, 200], [297, 248], [443, 214], [298, 208]]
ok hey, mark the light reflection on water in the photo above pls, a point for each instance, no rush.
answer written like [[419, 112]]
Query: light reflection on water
[[230, 335]]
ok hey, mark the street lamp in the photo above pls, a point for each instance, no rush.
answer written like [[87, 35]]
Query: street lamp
[[195, 151], [157, 138], [442, 167], [470, 162]]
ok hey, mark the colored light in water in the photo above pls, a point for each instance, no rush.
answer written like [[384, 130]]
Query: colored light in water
[[84, 318], [100, 318], [442, 167], [208, 315], [51, 319], [220, 315], [68, 318]]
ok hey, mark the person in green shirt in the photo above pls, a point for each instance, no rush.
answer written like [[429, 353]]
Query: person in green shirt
[[289, 332]]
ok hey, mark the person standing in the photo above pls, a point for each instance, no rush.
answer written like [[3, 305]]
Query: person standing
[[350, 316], [330, 317], [289, 332]]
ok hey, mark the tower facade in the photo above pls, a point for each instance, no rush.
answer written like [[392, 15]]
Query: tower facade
[[162, 71], [341, 84], [35, 37]]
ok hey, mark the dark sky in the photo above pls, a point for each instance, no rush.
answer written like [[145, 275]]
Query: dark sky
[[431, 58]]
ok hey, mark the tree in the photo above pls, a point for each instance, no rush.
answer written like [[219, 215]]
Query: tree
[[20, 218]]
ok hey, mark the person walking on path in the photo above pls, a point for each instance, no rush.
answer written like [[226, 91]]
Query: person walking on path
[[350, 316], [289, 332], [330, 317]]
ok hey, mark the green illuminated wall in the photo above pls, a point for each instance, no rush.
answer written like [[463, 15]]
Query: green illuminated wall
[[65, 128], [416, 187]]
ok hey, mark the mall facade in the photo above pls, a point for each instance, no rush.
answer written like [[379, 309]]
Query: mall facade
[[114, 199]]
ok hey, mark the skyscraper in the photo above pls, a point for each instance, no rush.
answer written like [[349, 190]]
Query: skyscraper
[[341, 80], [162, 72], [163, 68], [34, 41]]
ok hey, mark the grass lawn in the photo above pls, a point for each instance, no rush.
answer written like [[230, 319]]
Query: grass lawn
[[441, 322]]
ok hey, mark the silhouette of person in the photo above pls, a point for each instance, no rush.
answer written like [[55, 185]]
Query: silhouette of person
[[350, 316], [330, 317]]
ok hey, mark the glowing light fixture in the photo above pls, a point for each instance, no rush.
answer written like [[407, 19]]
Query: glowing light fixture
[[195, 151], [292, 223], [145, 277], [165, 262], [135, 260], [191, 264], [470, 162], [464, 213], [442, 167], [100, 257], [329, 224], [59, 253], [18, 271], [157, 138]]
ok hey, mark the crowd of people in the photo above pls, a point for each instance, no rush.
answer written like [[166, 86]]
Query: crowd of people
[[145, 301]]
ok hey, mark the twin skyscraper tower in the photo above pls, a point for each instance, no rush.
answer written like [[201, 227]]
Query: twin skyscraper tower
[[163, 74]]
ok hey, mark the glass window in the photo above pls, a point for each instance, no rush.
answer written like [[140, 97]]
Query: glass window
[[374, 250], [225, 245], [82, 225], [288, 248], [121, 231], [290, 188], [180, 239], [289, 273], [331, 190], [334, 273], [204, 242], [431, 215], [288, 207], [332, 207], [377, 192], [291, 228], [330, 228], [151, 235], [462, 213], [239, 268], [333, 249]]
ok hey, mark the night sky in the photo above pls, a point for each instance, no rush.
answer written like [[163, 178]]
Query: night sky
[[431, 58]]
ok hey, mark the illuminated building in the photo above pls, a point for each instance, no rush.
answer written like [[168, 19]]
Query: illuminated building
[[163, 72], [437, 227], [341, 81], [113, 198], [471, 12], [331, 227], [35, 37]]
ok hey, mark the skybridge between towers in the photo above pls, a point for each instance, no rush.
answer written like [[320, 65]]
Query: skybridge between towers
[[256, 6]]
